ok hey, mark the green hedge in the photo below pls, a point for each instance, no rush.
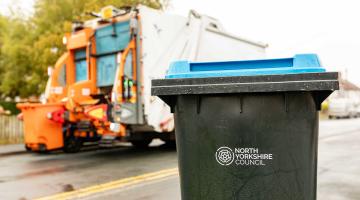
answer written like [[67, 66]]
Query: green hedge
[[10, 106]]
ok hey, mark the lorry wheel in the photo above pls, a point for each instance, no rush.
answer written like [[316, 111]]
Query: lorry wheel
[[170, 143], [72, 144], [141, 144]]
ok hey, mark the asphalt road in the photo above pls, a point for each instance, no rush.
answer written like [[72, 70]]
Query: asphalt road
[[29, 176], [339, 160]]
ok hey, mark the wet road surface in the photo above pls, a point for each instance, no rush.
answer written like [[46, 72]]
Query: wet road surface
[[31, 175], [34, 175]]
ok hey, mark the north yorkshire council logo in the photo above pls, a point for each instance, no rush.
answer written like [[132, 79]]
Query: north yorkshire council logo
[[224, 156]]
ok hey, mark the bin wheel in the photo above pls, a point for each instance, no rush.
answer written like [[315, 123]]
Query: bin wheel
[[42, 149], [28, 149], [141, 144], [72, 144]]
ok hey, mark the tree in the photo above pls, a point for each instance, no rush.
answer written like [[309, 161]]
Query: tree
[[15, 51], [3, 27], [25, 45]]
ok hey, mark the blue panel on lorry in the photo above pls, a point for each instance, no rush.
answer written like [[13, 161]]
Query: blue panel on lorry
[[80, 65], [81, 70], [302, 63], [80, 54], [112, 38], [106, 69]]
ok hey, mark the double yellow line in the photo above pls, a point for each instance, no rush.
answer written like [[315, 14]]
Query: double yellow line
[[112, 185]]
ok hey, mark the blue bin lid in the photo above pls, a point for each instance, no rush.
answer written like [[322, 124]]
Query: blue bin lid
[[301, 63]]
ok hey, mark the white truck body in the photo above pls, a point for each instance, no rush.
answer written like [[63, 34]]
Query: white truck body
[[167, 38]]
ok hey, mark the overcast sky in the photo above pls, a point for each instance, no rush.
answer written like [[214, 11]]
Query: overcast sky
[[330, 28]]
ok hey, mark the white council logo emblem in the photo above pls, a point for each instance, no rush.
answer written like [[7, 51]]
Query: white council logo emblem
[[224, 156]]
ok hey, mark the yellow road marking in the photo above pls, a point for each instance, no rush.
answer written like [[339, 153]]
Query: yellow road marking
[[112, 185]]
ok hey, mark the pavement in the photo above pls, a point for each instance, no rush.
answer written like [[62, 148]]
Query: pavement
[[339, 160], [129, 173], [11, 149]]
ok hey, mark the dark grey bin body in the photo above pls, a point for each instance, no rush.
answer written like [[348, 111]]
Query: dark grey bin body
[[275, 120]]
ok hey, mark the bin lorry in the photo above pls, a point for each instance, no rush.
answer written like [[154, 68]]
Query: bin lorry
[[157, 40], [99, 89]]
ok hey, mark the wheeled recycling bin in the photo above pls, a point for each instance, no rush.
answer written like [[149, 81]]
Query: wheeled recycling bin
[[41, 133], [247, 129]]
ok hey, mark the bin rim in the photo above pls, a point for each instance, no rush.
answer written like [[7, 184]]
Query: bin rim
[[321, 85], [33, 105], [326, 81]]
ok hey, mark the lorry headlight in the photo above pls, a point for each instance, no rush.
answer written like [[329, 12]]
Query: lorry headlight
[[115, 127]]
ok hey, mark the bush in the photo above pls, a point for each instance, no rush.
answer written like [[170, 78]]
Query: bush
[[11, 106]]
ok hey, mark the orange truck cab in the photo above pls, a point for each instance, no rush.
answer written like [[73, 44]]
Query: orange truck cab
[[59, 121], [79, 88]]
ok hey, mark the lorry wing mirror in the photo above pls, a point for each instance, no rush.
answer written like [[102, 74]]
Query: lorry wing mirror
[[50, 70]]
